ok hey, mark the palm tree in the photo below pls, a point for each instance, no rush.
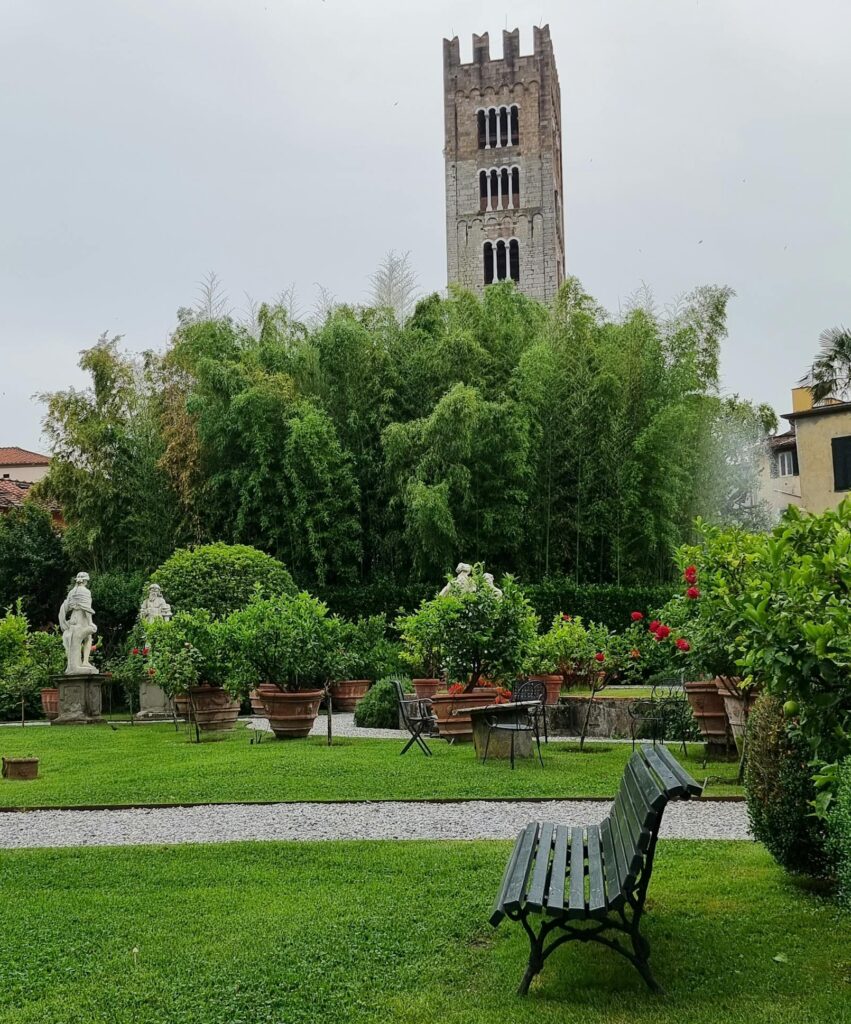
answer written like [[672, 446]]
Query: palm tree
[[830, 374]]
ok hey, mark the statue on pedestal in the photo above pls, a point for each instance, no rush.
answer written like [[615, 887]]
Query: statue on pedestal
[[155, 605], [76, 620], [463, 581]]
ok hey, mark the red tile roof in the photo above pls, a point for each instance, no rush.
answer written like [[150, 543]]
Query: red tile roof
[[12, 493], [15, 456]]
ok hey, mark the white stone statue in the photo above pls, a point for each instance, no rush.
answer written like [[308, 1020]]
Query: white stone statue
[[155, 605], [76, 620], [463, 581]]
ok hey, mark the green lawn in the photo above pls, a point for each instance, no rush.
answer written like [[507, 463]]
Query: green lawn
[[292, 933], [154, 764]]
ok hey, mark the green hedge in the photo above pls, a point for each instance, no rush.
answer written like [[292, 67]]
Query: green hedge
[[839, 832], [779, 790], [379, 709], [606, 603]]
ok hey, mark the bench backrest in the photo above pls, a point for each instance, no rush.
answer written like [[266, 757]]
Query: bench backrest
[[651, 778]]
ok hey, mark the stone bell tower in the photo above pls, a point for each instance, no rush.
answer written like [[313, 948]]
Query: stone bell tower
[[504, 215]]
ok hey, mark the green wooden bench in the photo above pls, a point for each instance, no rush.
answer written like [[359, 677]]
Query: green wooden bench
[[588, 883]]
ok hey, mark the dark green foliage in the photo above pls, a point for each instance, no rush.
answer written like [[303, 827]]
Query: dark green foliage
[[839, 832], [367, 650], [380, 596], [33, 564], [608, 604], [379, 709], [779, 788], [220, 578], [116, 597]]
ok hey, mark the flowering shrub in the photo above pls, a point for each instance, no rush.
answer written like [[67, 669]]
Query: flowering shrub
[[571, 649]]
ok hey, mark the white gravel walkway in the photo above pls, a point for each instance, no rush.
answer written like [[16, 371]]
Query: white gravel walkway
[[226, 823]]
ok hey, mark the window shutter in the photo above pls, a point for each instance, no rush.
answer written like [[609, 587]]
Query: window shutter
[[841, 447]]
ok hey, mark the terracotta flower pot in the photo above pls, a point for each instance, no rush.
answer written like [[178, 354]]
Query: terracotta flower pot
[[50, 702], [181, 705], [213, 709], [707, 705], [346, 693], [553, 684], [291, 715], [256, 703], [452, 712], [426, 688], [737, 705], [20, 768]]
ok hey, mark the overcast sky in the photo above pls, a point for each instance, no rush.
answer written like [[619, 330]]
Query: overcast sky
[[284, 142]]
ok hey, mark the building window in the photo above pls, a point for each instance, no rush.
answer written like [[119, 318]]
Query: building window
[[786, 464], [498, 127], [499, 188], [515, 186], [841, 463], [501, 260]]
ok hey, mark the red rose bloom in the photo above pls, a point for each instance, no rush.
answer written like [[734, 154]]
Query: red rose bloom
[[135, 650], [565, 618], [146, 650], [683, 645], [599, 656], [690, 574], [636, 616], [693, 593], [663, 632], [654, 625]]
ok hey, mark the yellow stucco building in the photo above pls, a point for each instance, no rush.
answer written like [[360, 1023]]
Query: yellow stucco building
[[809, 465]]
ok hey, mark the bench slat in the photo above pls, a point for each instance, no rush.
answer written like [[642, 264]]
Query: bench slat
[[638, 835], [498, 913], [670, 783], [576, 907], [625, 848], [647, 785], [691, 786], [535, 894], [558, 874], [596, 895], [516, 884], [614, 896]]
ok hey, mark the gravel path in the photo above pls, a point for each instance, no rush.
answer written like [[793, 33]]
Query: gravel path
[[392, 820]]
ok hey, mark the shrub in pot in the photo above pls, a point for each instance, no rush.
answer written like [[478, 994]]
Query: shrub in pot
[[369, 655], [192, 656], [779, 789], [288, 649]]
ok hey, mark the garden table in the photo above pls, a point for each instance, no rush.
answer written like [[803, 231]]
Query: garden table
[[513, 712]]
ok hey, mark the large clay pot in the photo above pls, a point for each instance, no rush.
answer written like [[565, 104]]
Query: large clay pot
[[291, 715], [181, 706], [707, 705], [50, 702], [213, 709], [425, 689], [553, 684], [453, 712], [20, 768], [256, 704], [346, 693], [737, 705]]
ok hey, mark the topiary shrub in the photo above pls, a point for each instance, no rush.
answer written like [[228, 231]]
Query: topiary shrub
[[839, 832], [220, 578], [779, 789], [379, 709]]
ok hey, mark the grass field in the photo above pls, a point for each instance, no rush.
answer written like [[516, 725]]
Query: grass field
[[154, 764], [376, 932]]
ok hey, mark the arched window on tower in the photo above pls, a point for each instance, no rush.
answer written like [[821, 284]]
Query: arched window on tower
[[482, 124], [515, 186], [487, 251], [514, 260], [514, 118], [483, 190], [503, 126], [504, 182], [494, 176], [501, 261], [493, 128]]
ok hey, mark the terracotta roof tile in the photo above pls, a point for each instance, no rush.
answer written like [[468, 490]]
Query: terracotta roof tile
[[15, 456], [13, 492]]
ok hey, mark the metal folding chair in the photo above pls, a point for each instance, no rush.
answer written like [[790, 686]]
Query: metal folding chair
[[418, 718]]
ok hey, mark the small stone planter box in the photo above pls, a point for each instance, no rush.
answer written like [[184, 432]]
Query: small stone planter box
[[20, 768], [609, 717]]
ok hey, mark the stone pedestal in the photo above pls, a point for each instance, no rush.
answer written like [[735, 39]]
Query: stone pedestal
[[499, 745], [154, 705], [80, 699]]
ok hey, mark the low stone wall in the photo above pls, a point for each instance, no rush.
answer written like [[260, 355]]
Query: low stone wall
[[609, 717]]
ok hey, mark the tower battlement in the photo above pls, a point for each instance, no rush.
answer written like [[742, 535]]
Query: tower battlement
[[502, 119]]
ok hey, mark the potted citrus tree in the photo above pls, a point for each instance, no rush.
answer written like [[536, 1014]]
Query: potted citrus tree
[[288, 649], [420, 634], [367, 654], [191, 656], [483, 634]]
